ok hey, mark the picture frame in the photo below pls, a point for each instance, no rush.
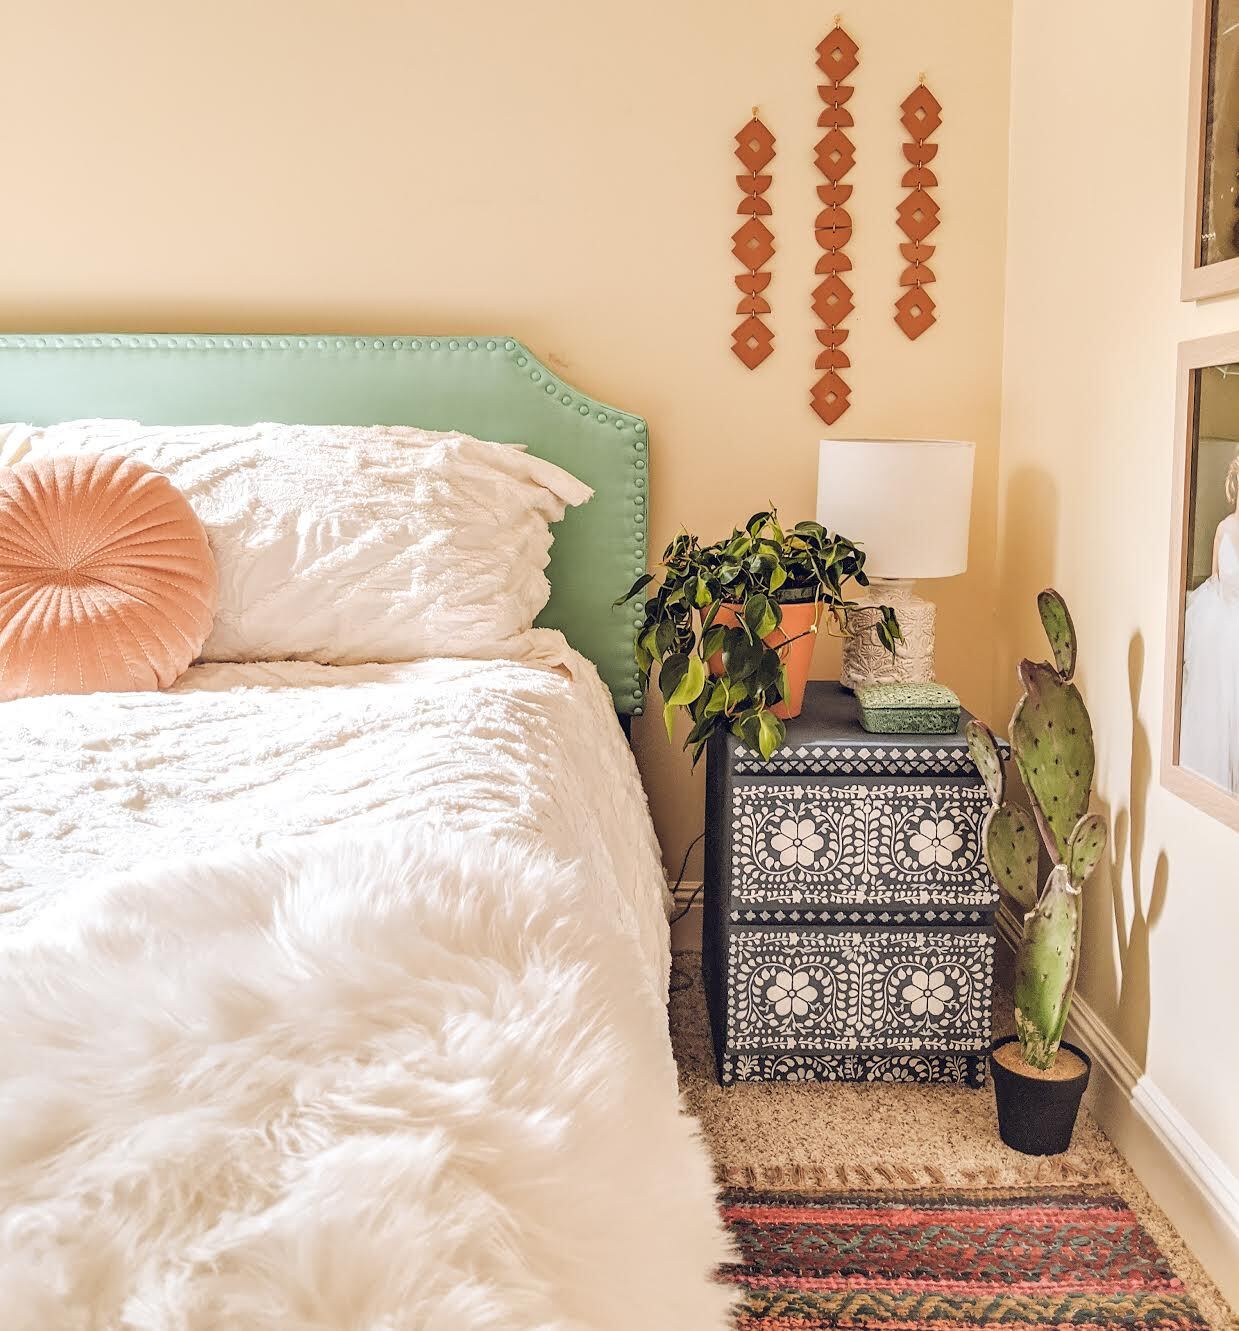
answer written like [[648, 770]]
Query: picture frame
[[1211, 224], [1194, 543]]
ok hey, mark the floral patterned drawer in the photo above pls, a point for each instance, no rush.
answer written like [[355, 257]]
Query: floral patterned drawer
[[858, 994], [859, 853]]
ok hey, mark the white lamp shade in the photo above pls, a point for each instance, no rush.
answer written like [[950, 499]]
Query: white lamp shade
[[905, 502]]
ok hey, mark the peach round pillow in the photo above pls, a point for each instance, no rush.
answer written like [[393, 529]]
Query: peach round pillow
[[106, 579]]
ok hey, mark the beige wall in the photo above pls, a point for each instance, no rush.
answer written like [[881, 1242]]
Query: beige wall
[[562, 171], [1098, 149]]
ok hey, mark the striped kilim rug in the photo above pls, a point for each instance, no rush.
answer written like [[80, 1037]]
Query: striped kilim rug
[[903, 1261]]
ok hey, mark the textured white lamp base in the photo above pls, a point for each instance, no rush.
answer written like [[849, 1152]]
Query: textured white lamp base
[[866, 661]]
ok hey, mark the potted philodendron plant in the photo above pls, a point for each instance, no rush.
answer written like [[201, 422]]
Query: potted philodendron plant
[[1038, 1078], [731, 625]]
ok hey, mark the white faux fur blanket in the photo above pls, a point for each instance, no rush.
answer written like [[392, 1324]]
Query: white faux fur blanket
[[375, 1082]]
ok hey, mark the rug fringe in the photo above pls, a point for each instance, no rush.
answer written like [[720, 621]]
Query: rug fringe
[[841, 1176]]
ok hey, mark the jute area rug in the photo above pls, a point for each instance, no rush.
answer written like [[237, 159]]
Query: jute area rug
[[915, 1147]]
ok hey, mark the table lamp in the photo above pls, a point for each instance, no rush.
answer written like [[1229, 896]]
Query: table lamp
[[906, 503]]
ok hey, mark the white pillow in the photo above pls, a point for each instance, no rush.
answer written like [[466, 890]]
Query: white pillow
[[345, 544]]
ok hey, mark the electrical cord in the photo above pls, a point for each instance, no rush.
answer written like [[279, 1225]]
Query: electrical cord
[[680, 980]]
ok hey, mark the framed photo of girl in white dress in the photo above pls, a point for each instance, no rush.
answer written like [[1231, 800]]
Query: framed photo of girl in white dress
[[1200, 754]]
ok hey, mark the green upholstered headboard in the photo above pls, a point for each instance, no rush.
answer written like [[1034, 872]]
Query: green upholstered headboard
[[491, 387]]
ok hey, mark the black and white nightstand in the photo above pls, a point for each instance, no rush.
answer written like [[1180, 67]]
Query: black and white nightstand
[[849, 912]]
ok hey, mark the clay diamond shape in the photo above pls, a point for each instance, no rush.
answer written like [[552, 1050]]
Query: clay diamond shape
[[918, 215], [835, 155], [916, 312], [832, 300], [755, 145], [752, 341], [836, 55], [829, 397], [922, 113], [753, 244]]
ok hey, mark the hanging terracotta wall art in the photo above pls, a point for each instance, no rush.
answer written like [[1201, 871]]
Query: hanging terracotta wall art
[[835, 157], [918, 213], [753, 244]]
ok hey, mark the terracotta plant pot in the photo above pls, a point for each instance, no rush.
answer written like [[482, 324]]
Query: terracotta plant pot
[[1037, 1115], [798, 619]]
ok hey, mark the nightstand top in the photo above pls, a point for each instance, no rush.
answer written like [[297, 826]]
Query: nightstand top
[[832, 712], [827, 737]]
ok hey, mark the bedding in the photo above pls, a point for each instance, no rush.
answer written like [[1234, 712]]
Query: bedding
[[106, 578], [351, 544], [333, 998]]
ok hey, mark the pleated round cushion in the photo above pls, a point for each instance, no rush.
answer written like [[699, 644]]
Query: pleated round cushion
[[107, 583]]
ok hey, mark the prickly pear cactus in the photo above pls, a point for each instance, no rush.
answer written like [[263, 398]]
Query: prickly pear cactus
[[1045, 968], [1052, 740], [1056, 620], [1011, 848], [1086, 847]]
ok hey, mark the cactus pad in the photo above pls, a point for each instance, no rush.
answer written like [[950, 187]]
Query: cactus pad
[[983, 750], [1052, 737], [1045, 969], [1056, 620], [1011, 846], [1086, 847]]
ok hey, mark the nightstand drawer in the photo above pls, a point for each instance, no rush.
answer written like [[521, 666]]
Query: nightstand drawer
[[853, 852], [854, 991]]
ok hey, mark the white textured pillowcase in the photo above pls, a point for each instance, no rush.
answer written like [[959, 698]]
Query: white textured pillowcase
[[347, 544]]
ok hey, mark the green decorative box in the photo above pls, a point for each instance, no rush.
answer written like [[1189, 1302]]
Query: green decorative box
[[908, 709]]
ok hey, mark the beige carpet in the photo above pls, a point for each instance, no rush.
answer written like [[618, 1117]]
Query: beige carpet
[[840, 1137]]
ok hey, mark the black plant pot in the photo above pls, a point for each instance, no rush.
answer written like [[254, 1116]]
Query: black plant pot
[[1036, 1116]]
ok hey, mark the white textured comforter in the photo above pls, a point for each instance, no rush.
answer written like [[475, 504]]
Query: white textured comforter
[[398, 1062], [240, 755]]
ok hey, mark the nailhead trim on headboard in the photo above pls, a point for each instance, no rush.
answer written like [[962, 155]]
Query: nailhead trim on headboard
[[631, 431]]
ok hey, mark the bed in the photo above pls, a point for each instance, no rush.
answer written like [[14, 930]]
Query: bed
[[336, 990]]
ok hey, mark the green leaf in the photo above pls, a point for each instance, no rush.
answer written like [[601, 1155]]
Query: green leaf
[[702, 597], [701, 730], [736, 692], [767, 673], [747, 728], [717, 702], [778, 576], [664, 638], [712, 640], [740, 656], [673, 670], [689, 687], [771, 732], [760, 616], [640, 584], [669, 711]]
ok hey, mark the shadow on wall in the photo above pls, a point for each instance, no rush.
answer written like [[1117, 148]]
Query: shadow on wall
[[1025, 566], [1135, 904]]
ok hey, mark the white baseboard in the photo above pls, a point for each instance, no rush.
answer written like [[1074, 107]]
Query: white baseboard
[[686, 932], [1182, 1173]]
